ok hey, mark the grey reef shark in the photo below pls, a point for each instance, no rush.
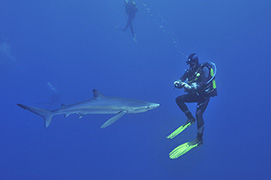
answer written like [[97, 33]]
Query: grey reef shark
[[99, 104]]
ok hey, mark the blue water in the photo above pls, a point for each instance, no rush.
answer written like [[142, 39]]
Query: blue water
[[56, 52]]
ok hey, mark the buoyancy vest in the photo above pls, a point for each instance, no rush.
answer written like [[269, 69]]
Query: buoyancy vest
[[208, 89]]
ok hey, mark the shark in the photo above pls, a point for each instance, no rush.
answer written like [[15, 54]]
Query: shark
[[99, 104]]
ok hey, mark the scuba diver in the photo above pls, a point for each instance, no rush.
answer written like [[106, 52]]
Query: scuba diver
[[131, 10], [199, 83]]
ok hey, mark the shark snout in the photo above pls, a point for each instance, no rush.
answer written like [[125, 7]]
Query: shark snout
[[154, 105]]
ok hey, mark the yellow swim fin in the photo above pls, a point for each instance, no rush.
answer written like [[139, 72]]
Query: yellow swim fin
[[184, 148], [180, 129]]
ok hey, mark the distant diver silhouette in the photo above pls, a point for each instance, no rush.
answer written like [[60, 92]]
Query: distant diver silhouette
[[131, 10]]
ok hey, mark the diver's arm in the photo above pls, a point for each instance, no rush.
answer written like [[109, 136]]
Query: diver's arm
[[185, 75], [180, 83]]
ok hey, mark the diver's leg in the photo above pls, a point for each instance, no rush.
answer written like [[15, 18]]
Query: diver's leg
[[131, 26], [127, 25], [202, 105], [190, 119], [181, 100], [132, 30], [129, 22]]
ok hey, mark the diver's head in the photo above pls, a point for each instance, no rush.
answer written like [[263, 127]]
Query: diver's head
[[192, 60]]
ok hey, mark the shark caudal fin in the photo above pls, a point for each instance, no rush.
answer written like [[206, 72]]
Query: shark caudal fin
[[47, 115]]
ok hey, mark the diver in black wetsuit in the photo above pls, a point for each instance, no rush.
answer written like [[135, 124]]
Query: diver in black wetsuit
[[131, 10], [199, 83]]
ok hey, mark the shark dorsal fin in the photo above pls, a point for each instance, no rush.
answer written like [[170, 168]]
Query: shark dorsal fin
[[97, 93]]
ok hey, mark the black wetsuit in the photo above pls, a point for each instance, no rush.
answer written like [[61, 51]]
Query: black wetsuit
[[201, 95], [131, 10]]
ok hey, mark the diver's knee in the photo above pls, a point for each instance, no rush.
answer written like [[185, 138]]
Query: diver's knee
[[179, 99]]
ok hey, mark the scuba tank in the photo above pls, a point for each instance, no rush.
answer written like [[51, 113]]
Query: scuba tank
[[210, 88]]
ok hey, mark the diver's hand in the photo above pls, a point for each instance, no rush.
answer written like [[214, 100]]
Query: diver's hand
[[178, 84], [194, 86], [191, 88], [186, 86]]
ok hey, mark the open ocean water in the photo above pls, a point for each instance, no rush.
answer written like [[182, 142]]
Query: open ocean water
[[56, 52]]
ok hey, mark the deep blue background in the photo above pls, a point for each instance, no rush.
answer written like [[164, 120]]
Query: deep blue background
[[74, 45]]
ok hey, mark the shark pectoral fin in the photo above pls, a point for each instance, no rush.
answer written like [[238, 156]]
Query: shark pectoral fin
[[114, 119]]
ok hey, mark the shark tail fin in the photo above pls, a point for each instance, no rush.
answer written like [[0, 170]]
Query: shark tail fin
[[47, 115]]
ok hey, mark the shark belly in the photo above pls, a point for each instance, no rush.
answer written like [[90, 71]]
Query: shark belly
[[88, 110]]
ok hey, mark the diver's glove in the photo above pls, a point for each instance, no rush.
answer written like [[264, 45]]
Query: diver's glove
[[194, 86], [178, 84], [188, 87]]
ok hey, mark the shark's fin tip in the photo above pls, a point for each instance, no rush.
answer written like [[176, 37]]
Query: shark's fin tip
[[97, 93]]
